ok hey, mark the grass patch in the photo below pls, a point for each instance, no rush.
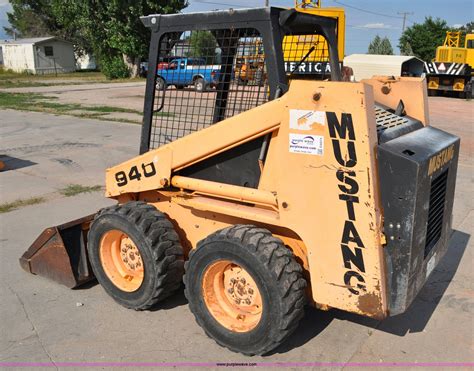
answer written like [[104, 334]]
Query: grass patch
[[75, 189], [69, 191], [10, 79], [20, 84], [9, 206], [42, 103]]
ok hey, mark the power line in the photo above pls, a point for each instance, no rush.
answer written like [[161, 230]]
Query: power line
[[367, 11]]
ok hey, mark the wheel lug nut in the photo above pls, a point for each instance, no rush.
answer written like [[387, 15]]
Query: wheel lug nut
[[237, 301], [250, 291], [242, 280], [230, 291], [232, 280], [247, 302]]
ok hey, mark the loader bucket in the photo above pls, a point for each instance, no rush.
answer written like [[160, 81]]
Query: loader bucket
[[60, 254]]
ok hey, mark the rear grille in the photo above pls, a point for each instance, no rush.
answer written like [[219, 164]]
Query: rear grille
[[436, 211], [386, 120]]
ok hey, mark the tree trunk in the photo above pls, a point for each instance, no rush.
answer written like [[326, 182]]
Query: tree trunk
[[133, 64]]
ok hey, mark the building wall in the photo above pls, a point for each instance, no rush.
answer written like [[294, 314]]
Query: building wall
[[61, 61], [19, 57], [1, 55]]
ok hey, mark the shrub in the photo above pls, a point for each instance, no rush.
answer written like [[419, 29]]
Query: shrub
[[114, 68]]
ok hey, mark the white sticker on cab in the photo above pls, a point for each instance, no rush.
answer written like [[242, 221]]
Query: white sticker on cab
[[307, 144], [304, 119]]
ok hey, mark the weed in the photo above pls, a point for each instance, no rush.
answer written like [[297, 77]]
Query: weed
[[43, 103], [75, 189], [9, 206]]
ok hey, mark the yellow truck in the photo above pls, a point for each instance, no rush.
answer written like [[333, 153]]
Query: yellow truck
[[303, 54], [453, 67], [315, 47]]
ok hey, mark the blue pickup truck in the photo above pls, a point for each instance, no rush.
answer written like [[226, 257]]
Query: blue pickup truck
[[183, 72]]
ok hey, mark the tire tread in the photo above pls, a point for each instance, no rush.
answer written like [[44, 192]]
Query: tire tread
[[280, 261], [163, 241]]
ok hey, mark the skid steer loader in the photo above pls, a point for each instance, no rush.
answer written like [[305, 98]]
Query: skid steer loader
[[266, 197]]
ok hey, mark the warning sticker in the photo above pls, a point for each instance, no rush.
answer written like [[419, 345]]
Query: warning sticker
[[308, 144], [304, 119]]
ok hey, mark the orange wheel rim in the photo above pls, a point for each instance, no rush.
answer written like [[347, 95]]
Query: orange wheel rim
[[232, 296], [121, 260]]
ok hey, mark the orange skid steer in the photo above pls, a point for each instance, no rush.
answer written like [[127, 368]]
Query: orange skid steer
[[263, 198]]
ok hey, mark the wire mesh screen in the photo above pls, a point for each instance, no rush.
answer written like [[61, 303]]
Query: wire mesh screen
[[306, 55], [204, 77]]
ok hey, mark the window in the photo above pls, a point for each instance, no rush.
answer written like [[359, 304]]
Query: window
[[470, 44], [48, 51]]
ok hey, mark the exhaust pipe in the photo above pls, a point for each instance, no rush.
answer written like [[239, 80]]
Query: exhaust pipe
[[60, 254]]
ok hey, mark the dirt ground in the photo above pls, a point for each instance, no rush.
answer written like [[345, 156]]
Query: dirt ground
[[45, 323]]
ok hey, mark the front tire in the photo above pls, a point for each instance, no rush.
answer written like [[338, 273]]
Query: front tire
[[135, 254], [160, 83], [245, 289]]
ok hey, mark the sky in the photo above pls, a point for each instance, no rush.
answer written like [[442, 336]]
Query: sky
[[364, 18], [4, 7]]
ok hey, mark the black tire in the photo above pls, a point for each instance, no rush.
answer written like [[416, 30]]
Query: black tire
[[159, 247], [274, 270], [470, 89], [200, 85], [161, 84]]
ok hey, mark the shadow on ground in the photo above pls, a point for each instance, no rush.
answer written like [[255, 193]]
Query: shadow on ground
[[13, 163], [413, 320]]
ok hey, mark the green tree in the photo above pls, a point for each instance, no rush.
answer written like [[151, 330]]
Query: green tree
[[424, 38], [24, 23], [202, 45], [467, 28], [374, 45], [406, 49], [380, 46], [109, 29], [36, 18]]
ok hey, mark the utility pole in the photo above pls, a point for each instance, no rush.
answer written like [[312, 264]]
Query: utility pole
[[404, 14], [267, 3]]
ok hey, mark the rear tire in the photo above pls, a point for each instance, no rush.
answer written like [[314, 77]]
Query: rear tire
[[250, 316], [200, 85], [160, 255]]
